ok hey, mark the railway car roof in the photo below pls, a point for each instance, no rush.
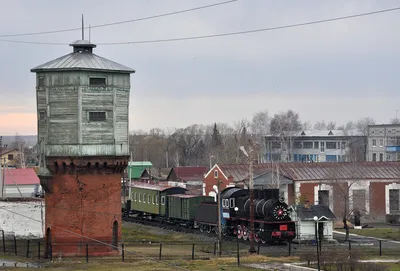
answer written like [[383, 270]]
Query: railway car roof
[[152, 187], [185, 196], [229, 192]]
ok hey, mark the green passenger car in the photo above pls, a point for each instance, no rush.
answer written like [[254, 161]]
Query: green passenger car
[[183, 207], [152, 199]]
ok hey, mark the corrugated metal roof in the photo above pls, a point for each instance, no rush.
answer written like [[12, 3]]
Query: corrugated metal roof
[[151, 186], [21, 176], [190, 173], [82, 60], [320, 171]]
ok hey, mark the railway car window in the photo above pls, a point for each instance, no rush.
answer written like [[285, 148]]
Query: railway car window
[[140, 197], [157, 200], [148, 200], [152, 199], [144, 198], [135, 196], [232, 203], [163, 200]]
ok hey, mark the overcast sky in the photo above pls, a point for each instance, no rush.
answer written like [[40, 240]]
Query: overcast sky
[[339, 71]]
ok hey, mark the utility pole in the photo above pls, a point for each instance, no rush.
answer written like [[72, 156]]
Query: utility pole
[[219, 227], [251, 187]]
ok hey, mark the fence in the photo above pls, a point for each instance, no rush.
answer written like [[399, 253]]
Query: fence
[[187, 250]]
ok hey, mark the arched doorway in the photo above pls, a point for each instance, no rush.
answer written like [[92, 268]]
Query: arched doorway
[[115, 235], [48, 248]]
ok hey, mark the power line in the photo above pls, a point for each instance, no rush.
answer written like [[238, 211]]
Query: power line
[[221, 34], [116, 23]]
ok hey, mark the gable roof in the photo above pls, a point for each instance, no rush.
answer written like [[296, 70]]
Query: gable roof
[[4, 151], [319, 171], [21, 176], [135, 169], [321, 211], [190, 173], [160, 174], [212, 170]]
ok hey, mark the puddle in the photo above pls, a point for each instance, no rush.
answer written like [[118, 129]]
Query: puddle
[[8, 263]]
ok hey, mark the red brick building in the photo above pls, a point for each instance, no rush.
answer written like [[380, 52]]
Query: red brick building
[[373, 188]]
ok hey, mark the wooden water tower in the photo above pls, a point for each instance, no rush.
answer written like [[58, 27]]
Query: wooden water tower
[[83, 116]]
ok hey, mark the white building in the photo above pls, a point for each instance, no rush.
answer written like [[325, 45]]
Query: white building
[[383, 142], [315, 146], [305, 224]]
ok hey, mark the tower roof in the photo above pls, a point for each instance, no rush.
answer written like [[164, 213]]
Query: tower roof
[[82, 58]]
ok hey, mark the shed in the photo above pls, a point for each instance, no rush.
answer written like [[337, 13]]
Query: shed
[[305, 224], [21, 181]]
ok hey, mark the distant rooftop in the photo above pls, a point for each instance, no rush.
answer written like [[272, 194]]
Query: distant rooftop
[[320, 133], [82, 58]]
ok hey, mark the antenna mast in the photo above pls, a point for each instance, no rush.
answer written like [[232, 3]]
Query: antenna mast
[[83, 29]]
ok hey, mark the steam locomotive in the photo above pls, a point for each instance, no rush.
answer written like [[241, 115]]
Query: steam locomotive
[[272, 222]]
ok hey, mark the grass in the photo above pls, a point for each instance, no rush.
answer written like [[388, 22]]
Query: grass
[[385, 233]]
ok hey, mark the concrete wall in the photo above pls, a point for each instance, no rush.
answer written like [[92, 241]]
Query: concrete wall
[[22, 217]]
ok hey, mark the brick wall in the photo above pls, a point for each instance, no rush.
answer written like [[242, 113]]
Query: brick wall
[[86, 205]]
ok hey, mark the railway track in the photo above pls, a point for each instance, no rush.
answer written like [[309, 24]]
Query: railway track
[[176, 228]]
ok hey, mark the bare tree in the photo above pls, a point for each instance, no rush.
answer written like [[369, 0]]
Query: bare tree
[[286, 125], [331, 125], [362, 125], [306, 125], [395, 121], [320, 125]]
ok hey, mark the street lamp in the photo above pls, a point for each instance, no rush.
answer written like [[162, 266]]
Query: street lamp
[[237, 235], [316, 238], [251, 188], [216, 189]]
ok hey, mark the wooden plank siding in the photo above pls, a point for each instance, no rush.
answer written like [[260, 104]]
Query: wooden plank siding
[[66, 98]]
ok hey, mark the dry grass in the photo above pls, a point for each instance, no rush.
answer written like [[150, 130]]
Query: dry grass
[[385, 233]]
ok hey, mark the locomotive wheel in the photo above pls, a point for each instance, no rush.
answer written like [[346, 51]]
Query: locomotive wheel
[[201, 228], [239, 232], [215, 229], [245, 233], [257, 237], [208, 228], [263, 241]]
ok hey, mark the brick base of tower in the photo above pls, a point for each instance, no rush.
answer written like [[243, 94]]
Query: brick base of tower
[[83, 207]]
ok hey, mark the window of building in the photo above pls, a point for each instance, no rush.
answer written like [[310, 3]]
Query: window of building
[[394, 199], [381, 157], [374, 157], [359, 200], [331, 158], [323, 197], [276, 145], [215, 173], [316, 145], [381, 142], [330, 145], [163, 200], [41, 81], [97, 116], [343, 145], [297, 145], [373, 142], [322, 146], [42, 115], [97, 81], [307, 145], [135, 196], [10, 157], [338, 145]]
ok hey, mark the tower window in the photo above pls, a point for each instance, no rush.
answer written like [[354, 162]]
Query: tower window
[[97, 116], [97, 81], [42, 115], [41, 81]]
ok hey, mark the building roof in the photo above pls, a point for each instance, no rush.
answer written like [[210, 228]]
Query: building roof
[[21, 176], [135, 169], [160, 174], [321, 133], [190, 173], [151, 186], [319, 171], [82, 60], [321, 211], [4, 151]]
